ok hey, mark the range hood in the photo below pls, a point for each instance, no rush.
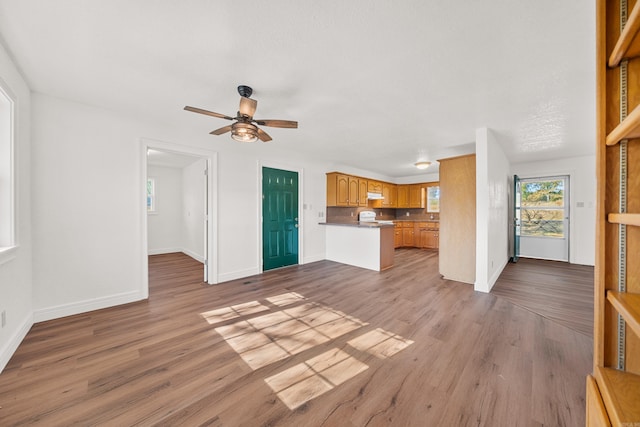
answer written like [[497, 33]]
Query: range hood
[[374, 196]]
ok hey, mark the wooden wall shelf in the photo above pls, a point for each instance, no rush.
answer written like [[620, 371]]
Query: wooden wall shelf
[[628, 305], [624, 218], [627, 129], [626, 37], [621, 393]]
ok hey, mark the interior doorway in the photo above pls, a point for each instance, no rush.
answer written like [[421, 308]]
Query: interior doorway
[[179, 205], [541, 218]]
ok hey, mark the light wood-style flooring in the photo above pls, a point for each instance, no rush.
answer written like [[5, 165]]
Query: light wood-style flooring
[[559, 291], [321, 344]]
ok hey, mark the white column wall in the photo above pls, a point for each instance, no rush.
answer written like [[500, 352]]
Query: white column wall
[[492, 210]]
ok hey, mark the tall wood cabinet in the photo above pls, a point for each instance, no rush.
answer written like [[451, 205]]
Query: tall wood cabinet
[[458, 218], [613, 390]]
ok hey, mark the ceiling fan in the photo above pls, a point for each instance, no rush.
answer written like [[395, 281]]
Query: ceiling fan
[[245, 129]]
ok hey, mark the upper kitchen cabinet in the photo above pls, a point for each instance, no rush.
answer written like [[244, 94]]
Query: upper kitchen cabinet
[[411, 196], [416, 196], [389, 192], [374, 187], [403, 196], [337, 189], [362, 191], [346, 190]]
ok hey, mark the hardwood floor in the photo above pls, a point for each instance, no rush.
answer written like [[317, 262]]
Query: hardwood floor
[[321, 344], [556, 290]]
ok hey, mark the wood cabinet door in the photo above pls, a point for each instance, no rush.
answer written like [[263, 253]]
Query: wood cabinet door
[[353, 191], [408, 237], [397, 237], [389, 192], [374, 186], [416, 196], [403, 196], [362, 192], [342, 190]]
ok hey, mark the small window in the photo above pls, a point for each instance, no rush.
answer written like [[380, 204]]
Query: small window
[[433, 199], [151, 195], [7, 210]]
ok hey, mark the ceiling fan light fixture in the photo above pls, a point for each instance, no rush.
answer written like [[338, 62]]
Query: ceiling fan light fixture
[[422, 165], [244, 132]]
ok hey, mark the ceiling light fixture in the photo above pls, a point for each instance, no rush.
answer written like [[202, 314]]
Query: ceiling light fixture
[[422, 165], [244, 132]]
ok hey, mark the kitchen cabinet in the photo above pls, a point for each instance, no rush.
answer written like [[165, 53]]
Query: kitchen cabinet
[[408, 234], [397, 235], [389, 192], [416, 196], [362, 192], [374, 186], [353, 191], [337, 189], [346, 190], [428, 235], [403, 196]]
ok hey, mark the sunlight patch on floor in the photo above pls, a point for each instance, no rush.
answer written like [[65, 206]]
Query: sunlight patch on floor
[[380, 343], [264, 339], [314, 377]]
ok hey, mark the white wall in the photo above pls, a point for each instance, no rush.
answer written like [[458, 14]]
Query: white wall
[[193, 209], [492, 210], [15, 265], [86, 184], [582, 188], [164, 226]]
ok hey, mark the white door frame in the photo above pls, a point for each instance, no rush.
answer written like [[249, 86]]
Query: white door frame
[[211, 157], [285, 167]]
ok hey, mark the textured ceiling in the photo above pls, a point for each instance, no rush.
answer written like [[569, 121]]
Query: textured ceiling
[[376, 84]]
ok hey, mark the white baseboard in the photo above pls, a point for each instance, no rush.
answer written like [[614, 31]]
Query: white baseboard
[[78, 307], [161, 251], [314, 258], [12, 344], [193, 255], [492, 280], [225, 277]]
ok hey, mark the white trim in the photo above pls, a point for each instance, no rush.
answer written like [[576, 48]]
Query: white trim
[[161, 251], [85, 306], [212, 201], [193, 255], [239, 274], [290, 168], [314, 258], [12, 344], [8, 254], [8, 93]]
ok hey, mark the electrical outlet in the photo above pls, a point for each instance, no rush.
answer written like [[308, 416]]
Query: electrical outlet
[[4, 317]]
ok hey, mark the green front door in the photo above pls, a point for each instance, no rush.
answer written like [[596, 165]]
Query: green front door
[[279, 218]]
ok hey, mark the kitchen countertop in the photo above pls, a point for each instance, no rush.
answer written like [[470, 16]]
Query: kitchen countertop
[[358, 224]]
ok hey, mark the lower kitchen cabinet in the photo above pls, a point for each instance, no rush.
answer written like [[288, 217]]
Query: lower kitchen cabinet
[[397, 236]]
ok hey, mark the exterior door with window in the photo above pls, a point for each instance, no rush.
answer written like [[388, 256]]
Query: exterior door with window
[[544, 218], [279, 218]]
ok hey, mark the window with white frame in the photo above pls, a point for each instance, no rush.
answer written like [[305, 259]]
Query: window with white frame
[[7, 203], [151, 195]]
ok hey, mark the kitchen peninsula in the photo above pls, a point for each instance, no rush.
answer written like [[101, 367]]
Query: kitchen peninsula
[[363, 244]]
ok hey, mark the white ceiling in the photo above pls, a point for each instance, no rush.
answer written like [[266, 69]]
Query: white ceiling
[[377, 85]]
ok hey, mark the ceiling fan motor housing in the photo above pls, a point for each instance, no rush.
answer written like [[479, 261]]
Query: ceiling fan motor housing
[[245, 91]]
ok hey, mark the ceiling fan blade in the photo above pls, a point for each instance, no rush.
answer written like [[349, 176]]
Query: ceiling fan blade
[[221, 130], [208, 113], [248, 106], [278, 123], [264, 137]]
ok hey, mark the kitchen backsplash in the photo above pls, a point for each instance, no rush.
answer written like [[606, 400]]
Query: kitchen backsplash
[[340, 214]]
